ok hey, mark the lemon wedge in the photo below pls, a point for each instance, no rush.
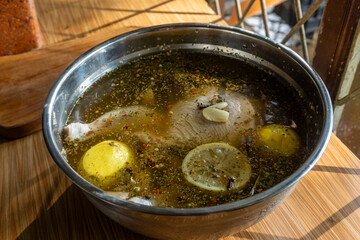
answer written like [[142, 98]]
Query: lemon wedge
[[216, 167], [280, 139], [102, 163]]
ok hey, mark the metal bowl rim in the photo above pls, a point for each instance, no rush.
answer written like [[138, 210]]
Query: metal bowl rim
[[99, 194]]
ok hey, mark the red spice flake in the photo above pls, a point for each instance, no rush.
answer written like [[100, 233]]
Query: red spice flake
[[124, 115], [170, 105], [119, 138], [153, 164], [89, 132], [144, 145], [109, 121], [194, 92], [86, 115], [105, 128], [154, 70], [193, 75], [127, 163], [126, 127], [157, 191], [202, 160], [68, 138], [233, 87], [172, 182], [138, 70]]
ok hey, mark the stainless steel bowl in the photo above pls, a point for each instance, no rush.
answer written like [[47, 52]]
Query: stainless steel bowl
[[170, 223]]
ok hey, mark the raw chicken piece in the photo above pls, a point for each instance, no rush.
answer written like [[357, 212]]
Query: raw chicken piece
[[125, 196], [188, 126], [134, 118]]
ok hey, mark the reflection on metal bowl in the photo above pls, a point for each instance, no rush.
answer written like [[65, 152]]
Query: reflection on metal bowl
[[172, 223]]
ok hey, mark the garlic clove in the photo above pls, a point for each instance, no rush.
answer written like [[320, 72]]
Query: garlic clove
[[215, 113]]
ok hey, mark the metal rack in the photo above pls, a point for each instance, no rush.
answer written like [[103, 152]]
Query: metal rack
[[299, 26]]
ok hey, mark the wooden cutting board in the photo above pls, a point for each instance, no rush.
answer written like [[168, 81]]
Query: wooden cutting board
[[69, 28], [27, 78]]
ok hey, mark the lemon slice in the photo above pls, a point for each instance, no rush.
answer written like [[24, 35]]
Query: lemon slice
[[102, 163], [280, 139], [216, 167]]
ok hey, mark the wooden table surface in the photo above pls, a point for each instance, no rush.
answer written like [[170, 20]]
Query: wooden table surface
[[38, 202]]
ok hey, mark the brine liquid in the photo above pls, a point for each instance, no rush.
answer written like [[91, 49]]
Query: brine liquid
[[173, 76]]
